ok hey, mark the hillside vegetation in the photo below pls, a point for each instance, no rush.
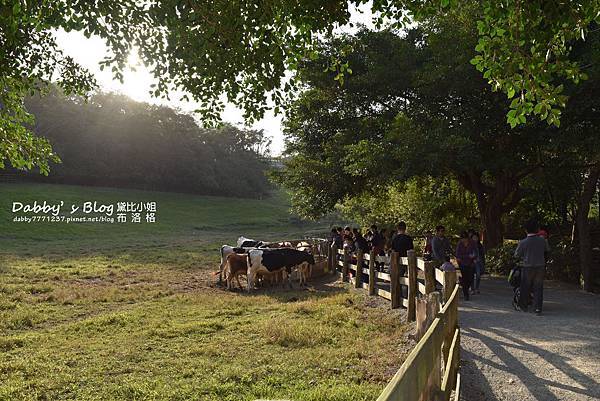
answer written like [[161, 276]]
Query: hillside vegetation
[[111, 140]]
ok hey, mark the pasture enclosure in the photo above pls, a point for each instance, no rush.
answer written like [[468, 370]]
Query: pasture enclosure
[[430, 372], [122, 312]]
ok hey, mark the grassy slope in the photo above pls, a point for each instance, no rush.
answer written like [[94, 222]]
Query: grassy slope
[[104, 312]]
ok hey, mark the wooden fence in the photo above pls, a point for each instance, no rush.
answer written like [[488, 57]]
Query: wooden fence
[[430, 371]]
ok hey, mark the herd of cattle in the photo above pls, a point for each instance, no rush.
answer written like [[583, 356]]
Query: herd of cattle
[[264, 262]]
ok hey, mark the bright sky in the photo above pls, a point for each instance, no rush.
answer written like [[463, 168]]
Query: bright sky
[[137, 80]]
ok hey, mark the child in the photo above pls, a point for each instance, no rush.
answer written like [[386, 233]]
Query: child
[[447, 266]]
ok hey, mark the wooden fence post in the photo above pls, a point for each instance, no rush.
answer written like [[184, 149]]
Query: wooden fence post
[[449, 284], [345, 266], [412, 285], [331, 259], [395, 288], [427, 309], [359, 263], [372, 276], [429, 277]]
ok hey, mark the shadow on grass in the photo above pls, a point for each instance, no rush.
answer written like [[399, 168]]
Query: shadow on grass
[[320, 287]]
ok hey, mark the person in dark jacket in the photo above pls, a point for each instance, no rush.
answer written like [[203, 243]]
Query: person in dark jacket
[[378, 245], [360, 243], [336, 238], [401, 242], [479, 261], [440, 245], [532, 253], [465, 256]]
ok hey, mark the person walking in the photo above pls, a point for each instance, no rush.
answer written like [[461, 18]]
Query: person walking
[[479, 261], [531, 251], [440, 245], [465, 256]]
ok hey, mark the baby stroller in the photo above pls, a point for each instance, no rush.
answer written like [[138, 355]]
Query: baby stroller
[[514, 279]]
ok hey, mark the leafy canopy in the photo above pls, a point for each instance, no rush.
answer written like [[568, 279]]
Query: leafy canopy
[[241, 50]]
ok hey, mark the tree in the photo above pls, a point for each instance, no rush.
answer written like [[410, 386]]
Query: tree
[[422, 202], [360, 136], [111, 140], [243, 49], [413, 106]]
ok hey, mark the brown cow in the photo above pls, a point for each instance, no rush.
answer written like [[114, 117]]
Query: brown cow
[[235, 265], [304, 271]]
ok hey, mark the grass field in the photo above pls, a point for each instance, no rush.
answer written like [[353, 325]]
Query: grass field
[[130, 312]]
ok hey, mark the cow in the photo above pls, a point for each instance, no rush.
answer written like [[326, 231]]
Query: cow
[[271, 260], [304, 271], [244, 242], [227, 250], [235, 265], [272, 278]]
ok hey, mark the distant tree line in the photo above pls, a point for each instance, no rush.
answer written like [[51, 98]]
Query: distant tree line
[[111, 140]]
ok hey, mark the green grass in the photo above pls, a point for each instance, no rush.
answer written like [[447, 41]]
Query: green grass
[[130, 312]]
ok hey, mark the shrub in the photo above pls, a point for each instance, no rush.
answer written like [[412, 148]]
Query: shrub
[[500, 260]]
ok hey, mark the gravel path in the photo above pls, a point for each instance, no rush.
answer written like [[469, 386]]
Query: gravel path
[[510, 355]]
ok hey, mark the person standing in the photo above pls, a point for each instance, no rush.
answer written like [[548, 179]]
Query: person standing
[[440, 246], [401, 242], [532, 253], [360, 243], [465, 256], [479, 261], [447, 266], [377, 244], [427, 249]]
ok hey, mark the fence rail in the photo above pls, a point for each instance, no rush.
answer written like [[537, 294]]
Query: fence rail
[[430, 371]]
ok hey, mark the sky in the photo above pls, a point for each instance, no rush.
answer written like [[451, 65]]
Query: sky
[[137, 79]]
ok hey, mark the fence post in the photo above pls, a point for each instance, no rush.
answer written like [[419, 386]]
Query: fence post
[[334, 258], [428, 308], [412, 285], [345, 266], [372, 273], [315, 249], [395, 289], [359, 263], [429, 277], [449, 284]]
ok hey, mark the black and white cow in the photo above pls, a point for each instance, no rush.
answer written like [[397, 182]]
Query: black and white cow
[[244, 242], [271, 260]]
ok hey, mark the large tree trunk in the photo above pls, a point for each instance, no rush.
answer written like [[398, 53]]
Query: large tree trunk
[[491, 222], [583, 226], [492, 203]]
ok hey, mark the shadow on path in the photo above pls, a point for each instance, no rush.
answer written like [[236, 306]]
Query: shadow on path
[[510, 355]]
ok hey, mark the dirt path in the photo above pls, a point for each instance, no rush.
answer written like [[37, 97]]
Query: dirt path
[[510, 355]]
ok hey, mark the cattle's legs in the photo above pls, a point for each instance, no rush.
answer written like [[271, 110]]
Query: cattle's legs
[[238, 281], [250, 277]]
